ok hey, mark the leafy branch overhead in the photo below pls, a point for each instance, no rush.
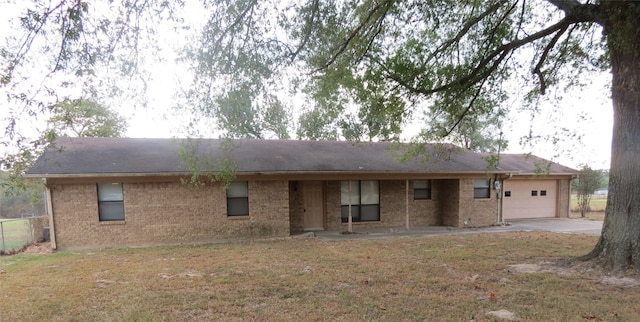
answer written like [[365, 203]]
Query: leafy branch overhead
[[404, 56]]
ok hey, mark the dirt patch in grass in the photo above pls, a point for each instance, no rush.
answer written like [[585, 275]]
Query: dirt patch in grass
[[33, 248], [585, 270], [38, 248], [437, 278]]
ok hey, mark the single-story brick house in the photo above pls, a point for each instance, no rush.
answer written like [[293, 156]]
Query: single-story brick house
[[123, 191]]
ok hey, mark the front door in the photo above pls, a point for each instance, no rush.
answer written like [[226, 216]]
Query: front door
[[313, 205]]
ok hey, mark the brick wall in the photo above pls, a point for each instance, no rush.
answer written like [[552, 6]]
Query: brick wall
[[392, 207], [477, 212], [449, 197], [564, 198], [167, 213], [296, 207], [393, 204], [332, 206]]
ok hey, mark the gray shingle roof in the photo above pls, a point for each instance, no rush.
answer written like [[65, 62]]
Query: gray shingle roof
[[102, 156], [531, 164]]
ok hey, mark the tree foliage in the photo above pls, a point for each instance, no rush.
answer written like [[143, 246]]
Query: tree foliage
[[85, 118], [588, 181], [70, 117]]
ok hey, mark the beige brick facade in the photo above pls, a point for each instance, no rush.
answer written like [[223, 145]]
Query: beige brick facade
[[450, 192], [564, 198], [167, 213], [476, 212], [171, 212], [296, 207]]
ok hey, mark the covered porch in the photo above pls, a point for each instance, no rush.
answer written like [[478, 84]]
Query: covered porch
[[319, 205]]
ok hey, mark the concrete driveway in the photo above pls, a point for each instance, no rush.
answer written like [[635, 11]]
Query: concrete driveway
[[558, 225]]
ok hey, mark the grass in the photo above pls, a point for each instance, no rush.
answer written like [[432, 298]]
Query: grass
[[16, 234], [597, 205], [443, 278]]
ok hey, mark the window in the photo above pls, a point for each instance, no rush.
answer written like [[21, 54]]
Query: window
[[543, 192], [364, 199], [421, 189], [481, 188], [507, 193], [238, 199], [110, 202], [534, 193]]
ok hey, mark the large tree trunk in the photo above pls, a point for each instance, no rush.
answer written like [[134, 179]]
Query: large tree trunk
[[619, 246]]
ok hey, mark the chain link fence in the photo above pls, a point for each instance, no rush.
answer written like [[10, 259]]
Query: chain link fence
[[16, 233]]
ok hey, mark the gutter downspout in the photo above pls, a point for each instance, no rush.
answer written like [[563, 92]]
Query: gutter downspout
[[52, 225]]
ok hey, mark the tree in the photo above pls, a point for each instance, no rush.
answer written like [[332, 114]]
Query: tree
[[69, 117], [85, 118], [478, 133], [588, 181], [438, 56], [240, 117]]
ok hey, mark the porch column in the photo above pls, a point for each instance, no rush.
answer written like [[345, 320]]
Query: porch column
[[350, 229], [52, 225], [407, 204]]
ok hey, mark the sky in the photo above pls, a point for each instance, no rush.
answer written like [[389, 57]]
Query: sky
[[586, 112]]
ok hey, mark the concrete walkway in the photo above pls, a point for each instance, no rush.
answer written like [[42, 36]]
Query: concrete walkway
[[558, 225]]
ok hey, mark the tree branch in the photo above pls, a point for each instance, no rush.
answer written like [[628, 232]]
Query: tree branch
[[485, 67], [545, 53], [355, 32], [565, 5], [579, 12], [308, 26], [466, 110], [25, 46], [470, 23], [236, 22]]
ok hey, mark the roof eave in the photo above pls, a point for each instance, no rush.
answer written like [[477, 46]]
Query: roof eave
[[267, 173]]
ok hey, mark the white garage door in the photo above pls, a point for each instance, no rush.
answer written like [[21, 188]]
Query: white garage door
[[529, 198]]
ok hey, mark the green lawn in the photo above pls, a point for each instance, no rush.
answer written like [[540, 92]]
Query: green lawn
[[437, 278], [16, 233], [597, 204]]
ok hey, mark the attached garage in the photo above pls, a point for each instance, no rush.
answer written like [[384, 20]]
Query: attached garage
[[529, 198]]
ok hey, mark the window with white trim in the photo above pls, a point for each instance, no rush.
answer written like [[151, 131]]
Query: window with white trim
[[481, 188], [364, 200], [110, 202], [238, 199]]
